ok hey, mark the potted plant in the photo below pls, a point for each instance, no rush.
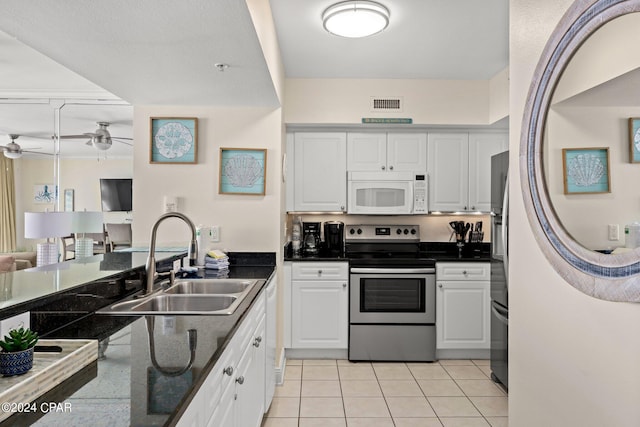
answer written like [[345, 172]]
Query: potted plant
[[16, 357]]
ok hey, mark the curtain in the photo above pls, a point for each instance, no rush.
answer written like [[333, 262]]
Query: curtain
[[7, 206]]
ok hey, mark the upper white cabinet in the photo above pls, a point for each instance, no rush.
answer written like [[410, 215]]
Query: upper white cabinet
[[317, 179], [387, 152], [459, 168]]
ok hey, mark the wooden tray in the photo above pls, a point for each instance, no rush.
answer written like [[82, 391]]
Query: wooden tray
[[49, 370]]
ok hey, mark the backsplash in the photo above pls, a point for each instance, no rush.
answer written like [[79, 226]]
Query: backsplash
[[433, 228]]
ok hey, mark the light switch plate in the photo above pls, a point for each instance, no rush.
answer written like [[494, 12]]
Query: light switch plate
[[215, 233], [15, 322], [614, 232]]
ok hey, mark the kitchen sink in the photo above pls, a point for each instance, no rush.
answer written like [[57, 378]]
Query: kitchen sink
[[188, 296], [211, 286]]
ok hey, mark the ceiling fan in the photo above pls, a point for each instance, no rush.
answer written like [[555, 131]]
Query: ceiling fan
[[101, 139], [13, 151]]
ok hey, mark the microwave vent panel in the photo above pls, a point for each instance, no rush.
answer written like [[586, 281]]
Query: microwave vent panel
[[386, 104]]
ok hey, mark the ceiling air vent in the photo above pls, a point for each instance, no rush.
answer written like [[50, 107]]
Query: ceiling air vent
[[388, 104]]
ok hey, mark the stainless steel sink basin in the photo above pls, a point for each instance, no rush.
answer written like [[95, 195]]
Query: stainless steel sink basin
[[211, 286], [188, 296]]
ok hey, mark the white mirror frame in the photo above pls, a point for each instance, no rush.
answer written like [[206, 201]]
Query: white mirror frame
[[608, 277]]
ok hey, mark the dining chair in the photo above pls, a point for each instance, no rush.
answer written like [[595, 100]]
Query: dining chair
[[119, 235]]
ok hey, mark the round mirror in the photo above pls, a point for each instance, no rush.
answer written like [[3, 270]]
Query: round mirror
[[576, 157]]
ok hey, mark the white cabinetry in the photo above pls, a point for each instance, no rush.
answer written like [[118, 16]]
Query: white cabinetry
[[463, 307], [387, 152], [317, 179], [459, 168], [233, 394], [319, 305]]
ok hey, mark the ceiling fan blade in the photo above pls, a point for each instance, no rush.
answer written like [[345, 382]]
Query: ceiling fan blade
[[122, 137], [123, 142], [37, 152], [83, 136]]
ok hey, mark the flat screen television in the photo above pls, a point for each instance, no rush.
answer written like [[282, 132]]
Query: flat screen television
[[116, 194]]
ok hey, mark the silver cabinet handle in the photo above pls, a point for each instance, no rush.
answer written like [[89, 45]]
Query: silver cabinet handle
[[319, 272], [384, 167], [390, 167], [464, 272], [440, 285], [228, 370], [240, 380], [344, 285], [257, 341]]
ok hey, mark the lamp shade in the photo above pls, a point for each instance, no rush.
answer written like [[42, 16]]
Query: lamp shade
[[86, 222], [43, 225]]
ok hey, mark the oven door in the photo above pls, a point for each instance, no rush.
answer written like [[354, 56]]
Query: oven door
[[392, 295]]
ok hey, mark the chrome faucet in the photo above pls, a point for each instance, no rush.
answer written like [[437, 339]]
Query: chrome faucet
[[150, 267]]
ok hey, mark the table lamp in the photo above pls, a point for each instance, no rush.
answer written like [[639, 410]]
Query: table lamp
[[85, 222], [46, 225]]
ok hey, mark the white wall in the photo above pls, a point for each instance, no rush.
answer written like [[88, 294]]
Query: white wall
[[573, 359], [347, 101], [248, 223]]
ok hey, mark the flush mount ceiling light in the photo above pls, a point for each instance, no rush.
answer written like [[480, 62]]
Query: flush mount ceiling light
[[355, 18]]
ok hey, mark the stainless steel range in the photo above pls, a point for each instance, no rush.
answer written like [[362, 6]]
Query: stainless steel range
[[392, 308]]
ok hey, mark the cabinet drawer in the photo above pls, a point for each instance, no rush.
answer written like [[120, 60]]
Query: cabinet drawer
[[320, 270], [479, 271]]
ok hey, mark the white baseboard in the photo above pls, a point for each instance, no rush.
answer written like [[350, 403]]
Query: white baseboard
[[315, 353], [463, 354]]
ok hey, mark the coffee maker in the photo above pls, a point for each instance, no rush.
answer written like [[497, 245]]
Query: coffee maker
[[311, 238], [334, 237]]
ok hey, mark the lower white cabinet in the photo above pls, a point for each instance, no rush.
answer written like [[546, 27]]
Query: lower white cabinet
[[233, 395], [463, 304], [319, 313]]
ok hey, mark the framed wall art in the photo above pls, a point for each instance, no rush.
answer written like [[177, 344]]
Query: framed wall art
[[68, 200], [586, 170], [243, 171], [634, 140], [174, 140], [45, 193]]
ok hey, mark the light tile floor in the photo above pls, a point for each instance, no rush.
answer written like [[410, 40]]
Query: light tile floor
[[328, 393]]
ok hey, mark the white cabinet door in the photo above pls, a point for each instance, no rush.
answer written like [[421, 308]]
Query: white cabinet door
[[320, 171], [463, 316], [448, 170], [481, 147], [270, 342], [407, 152], [366, 151], [250, 381], [319, 314]]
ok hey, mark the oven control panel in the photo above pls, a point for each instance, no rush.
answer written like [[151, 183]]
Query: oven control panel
[[383, 232]]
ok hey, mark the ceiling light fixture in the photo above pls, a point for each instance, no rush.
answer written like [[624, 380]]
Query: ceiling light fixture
[[102, 138], [355, 18]]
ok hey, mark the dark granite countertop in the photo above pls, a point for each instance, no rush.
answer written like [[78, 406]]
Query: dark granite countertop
[[129, 389], [440, 251]]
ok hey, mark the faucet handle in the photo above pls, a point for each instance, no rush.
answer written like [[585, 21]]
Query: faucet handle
[[171, 273]]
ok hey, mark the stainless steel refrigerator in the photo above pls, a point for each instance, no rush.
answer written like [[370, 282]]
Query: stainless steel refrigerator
[[500, 268]]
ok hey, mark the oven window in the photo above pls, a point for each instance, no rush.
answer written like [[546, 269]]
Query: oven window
[[392, 295]]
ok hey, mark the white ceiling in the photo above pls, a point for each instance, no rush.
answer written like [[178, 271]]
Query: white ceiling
[[164, 52]]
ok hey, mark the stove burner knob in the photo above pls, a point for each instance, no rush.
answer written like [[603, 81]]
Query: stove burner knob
[[406, 231], [352, 231], [413, 231], [359, 231], [398, 231]]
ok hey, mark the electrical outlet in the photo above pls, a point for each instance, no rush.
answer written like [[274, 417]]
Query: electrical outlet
[[215, 233], [614, 232], [15, 322]]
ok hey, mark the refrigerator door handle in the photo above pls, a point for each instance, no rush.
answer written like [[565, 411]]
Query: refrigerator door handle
[[505, 228], [500, 313]]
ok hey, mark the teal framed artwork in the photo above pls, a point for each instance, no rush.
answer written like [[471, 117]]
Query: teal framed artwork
[[174, 140], [243, 171], [586, 170], [634, 140]]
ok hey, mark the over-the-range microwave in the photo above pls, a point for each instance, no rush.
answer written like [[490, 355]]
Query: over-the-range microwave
[[386, 193]]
